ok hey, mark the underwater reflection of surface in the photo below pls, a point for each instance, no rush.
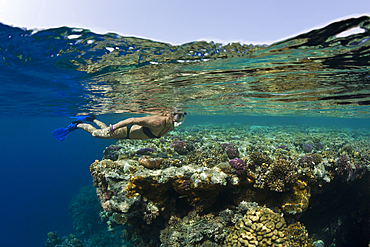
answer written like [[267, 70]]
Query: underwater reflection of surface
[[314, 74]]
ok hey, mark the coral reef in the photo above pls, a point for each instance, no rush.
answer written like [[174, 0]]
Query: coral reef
[[149, 162], [201, 186], [193, 230], [85, 211], [55, 241]]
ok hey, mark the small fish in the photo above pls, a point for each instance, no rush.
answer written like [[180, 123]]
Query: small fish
[[183, 196]]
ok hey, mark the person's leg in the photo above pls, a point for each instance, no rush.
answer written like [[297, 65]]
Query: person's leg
[[104, 133], [98, 133], [99, 123], [86, 127]]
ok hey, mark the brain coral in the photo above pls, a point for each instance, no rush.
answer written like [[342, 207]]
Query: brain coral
[[258, 227]]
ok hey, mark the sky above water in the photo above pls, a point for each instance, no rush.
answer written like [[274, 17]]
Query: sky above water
[[179, 22]]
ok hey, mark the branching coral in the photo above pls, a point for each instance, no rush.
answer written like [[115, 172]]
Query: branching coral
[[281, 172], [230, 149], [258, 158], [239, 166], [343, 165], [207, 156], [181, 147], [298, 236]]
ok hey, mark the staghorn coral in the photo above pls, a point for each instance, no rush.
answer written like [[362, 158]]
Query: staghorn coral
[[258, 227], [281, 172]]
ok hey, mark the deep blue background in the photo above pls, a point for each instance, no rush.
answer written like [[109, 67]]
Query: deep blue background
[[39, 176]]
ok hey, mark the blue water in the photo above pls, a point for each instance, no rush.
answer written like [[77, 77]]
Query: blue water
[[49, 75]]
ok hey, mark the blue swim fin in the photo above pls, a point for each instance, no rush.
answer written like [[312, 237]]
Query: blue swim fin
[[89, 118], [61, 133]]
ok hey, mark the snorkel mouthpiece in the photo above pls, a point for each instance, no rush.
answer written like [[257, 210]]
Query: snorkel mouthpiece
[[178, 119]]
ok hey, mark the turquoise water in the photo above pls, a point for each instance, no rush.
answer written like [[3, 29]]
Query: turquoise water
[[314, 79]]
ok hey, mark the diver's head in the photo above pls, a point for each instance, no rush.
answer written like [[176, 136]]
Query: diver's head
[[178, 118]]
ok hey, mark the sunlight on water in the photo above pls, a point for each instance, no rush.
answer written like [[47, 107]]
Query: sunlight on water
[[320, 73]]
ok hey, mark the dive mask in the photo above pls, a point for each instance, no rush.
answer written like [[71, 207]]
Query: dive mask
[[179, 118]]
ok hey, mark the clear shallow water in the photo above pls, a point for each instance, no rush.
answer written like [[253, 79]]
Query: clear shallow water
[[67, 71], [51, 74]]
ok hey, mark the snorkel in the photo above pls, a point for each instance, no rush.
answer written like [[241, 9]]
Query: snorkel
[[178, 118]]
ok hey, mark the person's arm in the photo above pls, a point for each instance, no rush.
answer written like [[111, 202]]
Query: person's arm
[[151, 122]]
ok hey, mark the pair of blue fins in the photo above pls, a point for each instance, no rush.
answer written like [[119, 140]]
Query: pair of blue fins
[[61, 133]]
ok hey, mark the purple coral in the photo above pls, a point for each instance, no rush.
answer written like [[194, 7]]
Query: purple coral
[[180, 147], [307, 160], [239, 165], [111, 152], [231, 151], [307, 148], [319, 146], [185, 185], [343, 165], [282, 146]]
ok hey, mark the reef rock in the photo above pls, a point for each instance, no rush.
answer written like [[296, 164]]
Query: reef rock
[[124, 185]]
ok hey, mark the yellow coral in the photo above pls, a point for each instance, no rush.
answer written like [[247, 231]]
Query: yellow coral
[[260, 227], [296, 201]]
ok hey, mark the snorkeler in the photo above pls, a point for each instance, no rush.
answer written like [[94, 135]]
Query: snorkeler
[[131, 128]]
